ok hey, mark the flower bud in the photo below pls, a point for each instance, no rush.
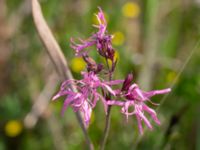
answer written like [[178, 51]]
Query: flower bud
[[104, 47], [92, 65], [127, 82]]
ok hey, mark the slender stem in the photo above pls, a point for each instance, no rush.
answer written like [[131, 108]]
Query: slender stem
[[110, 70], [107, 64], [87, 138], [108, 116], [106, 129]]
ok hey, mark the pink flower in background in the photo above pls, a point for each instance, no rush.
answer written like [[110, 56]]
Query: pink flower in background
[[101, 40], [135, 99], [87, 95]]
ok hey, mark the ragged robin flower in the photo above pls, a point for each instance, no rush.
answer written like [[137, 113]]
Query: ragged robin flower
[[87, 95], [85, 98], [135, 98], [100, 39]]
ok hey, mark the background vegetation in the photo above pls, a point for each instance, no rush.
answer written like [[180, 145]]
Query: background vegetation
[[158, 40]]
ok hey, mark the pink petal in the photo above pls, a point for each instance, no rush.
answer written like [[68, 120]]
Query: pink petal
[[115, 102], [95, 99], [109, 89], [138, 109], [152, 113], [59, 94], [114, 82], [67, 101], [146, 121], [139, 124], [104, 102], [87, 111], [139, 92], [156, 92]]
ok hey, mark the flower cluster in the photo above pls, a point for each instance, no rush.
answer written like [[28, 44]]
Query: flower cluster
[[87, 95], [135, 97], [92, 88], [101, 40]]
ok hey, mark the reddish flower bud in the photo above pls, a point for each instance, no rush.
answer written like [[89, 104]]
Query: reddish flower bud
[[127, 82]]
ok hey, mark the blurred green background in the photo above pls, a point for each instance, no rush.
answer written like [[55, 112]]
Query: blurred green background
[[157, 40]]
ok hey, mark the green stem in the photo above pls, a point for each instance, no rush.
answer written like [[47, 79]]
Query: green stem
[[108, 116], [106, 129]]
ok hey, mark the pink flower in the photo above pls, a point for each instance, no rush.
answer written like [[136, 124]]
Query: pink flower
[[135, 98], [101, 40], [87, 95]]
